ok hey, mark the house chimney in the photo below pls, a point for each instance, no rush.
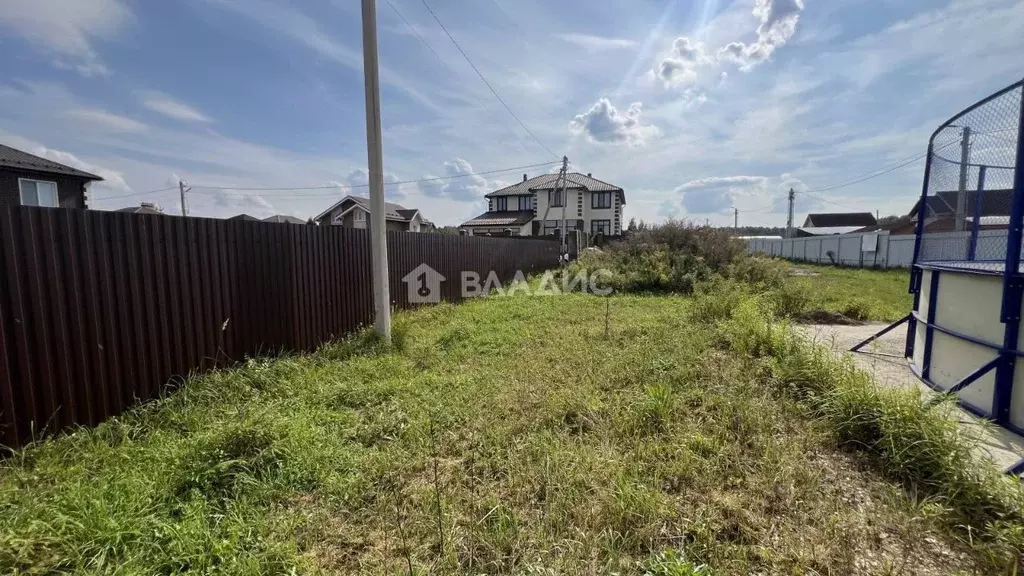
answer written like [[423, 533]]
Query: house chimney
[[524, 177]]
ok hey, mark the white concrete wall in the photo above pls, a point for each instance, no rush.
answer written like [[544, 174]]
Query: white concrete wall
[[846, 249], [892, 251]]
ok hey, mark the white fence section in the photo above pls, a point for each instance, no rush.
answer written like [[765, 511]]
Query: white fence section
[[879, 249], [872, 249]]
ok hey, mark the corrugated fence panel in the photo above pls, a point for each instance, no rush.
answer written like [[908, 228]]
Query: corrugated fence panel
[[100, 310]]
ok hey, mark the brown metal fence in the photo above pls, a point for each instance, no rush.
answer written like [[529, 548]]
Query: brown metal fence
[[100, 310]]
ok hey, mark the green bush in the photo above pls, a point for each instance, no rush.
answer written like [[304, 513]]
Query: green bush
[[674, 257]]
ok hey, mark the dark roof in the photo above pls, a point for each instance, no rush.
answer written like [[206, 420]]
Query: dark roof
[[141, 210], [993, 203], [547, 182], [284, 219], [840, 219], [392, 211], [245, 217], [501, 219], [14, 158]]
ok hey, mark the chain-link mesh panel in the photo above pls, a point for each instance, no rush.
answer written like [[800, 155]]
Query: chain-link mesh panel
[[970, 183]]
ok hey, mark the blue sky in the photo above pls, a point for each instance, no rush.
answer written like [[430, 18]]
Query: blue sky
[[691, 107]]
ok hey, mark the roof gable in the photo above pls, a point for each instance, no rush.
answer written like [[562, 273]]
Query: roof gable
[[392, 211], [574, 181], [14, 158], [943, 204]]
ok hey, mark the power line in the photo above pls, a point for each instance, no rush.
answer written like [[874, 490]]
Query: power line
[[333, 188], [175, 187], [395, 183], [827, 201], [445, 64], [881, 172], [867, 177], [488, 84], [765, 209], [420, 38]]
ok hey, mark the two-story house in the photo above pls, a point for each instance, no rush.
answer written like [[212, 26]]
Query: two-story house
[[535, 207], [28, 180]]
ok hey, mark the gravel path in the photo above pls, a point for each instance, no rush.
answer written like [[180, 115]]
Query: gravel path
[[1002, 447]]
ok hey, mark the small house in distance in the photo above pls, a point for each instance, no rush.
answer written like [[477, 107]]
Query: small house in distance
[[354, 212], [284, 219], [28, 180], [144, 208], [827, 224]]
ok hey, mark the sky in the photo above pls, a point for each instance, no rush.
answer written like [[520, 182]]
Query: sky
[[692, 107]]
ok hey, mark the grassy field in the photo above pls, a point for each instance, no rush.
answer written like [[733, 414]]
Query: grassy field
[[858, 293], [524, 435]]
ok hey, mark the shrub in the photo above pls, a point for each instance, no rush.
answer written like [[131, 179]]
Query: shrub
[[674, 257]]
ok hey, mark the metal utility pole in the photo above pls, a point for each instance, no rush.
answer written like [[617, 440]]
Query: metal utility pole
[[564, 176], [182, 190], [375, 153], [961, 193], [558, 181], [789, 219]]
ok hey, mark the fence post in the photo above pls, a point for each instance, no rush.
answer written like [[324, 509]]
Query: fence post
[[1013, 289]]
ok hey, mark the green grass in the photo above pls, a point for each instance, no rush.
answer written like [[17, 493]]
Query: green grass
[[857, 293], [511, 436]]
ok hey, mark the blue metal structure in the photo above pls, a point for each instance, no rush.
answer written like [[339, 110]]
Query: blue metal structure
[[980, 235]]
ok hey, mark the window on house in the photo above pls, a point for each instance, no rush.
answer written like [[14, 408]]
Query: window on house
[[601, 227], [552, 228], [501, 204], [359, 215], [38, 193], [600, 200], [556, 198], [525, 203]]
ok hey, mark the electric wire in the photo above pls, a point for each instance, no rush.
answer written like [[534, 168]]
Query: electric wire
[[197, 188], [134, 194], [444, 62], [488, 84]]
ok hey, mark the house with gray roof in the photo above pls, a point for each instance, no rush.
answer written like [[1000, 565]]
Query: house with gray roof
[[29, 180], [536, 206], [354, 212]]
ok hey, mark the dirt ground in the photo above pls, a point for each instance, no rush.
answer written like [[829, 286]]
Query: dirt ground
[[883, 359]]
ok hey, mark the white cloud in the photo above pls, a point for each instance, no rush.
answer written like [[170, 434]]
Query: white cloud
[[242, 202], [596, 43], [171, 108], [718, 194], [604, 124], [669, 209], [66, 29], [778, 24], [105, 121], [460, 186], [682, 62], [111, 178], [357, 183]]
